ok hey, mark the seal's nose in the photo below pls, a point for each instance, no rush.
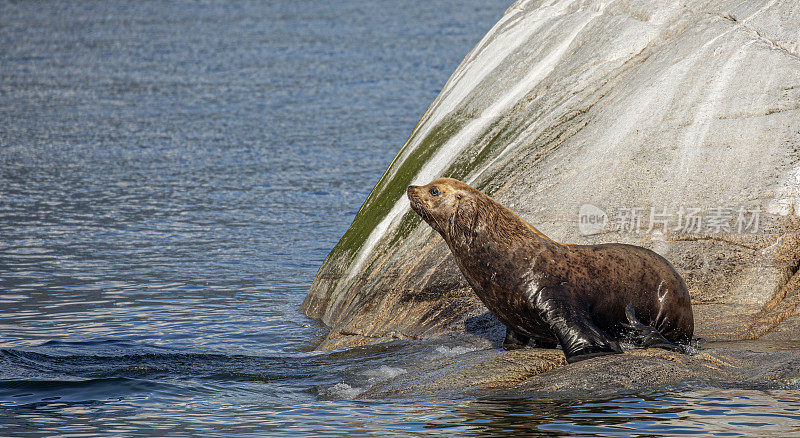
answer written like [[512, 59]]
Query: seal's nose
[[412, 187]]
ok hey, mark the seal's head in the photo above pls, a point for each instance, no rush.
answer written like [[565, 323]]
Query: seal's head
[[442, 202], [460, 213]]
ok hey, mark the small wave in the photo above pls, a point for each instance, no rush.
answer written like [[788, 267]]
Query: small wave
[[384, 373], [69, 369], [45, 385], [373, 376], [453, 351], [340, 391], [56, 343], [33, 392]]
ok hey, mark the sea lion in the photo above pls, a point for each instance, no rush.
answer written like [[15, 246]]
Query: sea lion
[[587, 298]]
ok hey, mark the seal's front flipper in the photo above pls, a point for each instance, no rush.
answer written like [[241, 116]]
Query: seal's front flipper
[[570, 322], [645, 336], [514, 340]]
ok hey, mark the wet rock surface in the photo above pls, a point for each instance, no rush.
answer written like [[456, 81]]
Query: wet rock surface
[[666, 111], [544, 373]]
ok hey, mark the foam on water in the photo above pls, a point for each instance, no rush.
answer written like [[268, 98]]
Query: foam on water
[[373, 376], [384, 372], [340, 391], [453, 351]]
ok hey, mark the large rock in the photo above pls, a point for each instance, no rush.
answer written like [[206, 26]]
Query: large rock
[[667, 107], [538, 372]]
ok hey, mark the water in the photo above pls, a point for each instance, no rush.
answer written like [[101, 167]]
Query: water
[[172, 175]]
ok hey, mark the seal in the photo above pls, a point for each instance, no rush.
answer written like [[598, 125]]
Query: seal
[[587, 298]]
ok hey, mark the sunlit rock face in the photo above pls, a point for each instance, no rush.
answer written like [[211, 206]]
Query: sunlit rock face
[[672, 125]]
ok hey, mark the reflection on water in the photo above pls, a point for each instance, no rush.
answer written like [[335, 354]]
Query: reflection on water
[[715, 412], [171, 176]]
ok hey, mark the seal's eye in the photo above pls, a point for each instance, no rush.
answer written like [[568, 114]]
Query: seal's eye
[[434, 191]]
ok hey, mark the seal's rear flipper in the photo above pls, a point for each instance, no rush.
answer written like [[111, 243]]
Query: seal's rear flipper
[[571, 323], [645, 336]]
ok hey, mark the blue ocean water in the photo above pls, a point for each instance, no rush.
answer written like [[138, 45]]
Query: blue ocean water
[[172, 174]]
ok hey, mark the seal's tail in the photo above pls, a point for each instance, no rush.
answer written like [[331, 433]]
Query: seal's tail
[[645, 336]]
